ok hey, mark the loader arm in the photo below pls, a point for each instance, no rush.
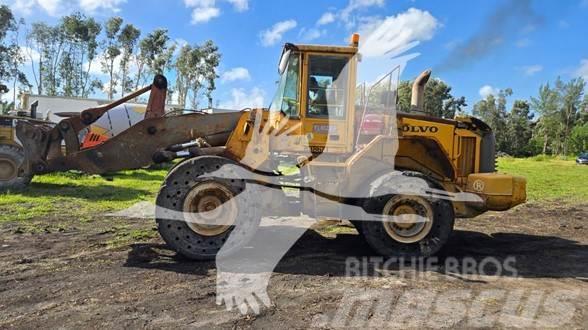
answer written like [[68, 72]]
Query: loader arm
[[133, 148]]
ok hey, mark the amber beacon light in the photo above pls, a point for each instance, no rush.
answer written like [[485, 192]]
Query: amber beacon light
[[355, 40]]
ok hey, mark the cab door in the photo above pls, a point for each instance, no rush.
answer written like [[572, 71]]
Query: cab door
[[284, 113], [327, 106]]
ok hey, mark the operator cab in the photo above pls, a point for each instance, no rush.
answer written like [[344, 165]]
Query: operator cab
[[316, 92]]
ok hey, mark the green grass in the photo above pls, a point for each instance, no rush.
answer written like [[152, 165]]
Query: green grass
[[80, 195], [85, 197], [550, 178]]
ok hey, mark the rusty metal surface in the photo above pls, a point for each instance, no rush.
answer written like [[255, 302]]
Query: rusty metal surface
[[35, 139], [135, 147], [156, 103]]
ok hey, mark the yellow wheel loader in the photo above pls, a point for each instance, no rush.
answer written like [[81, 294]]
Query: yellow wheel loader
[[12, 155], [400, 178]]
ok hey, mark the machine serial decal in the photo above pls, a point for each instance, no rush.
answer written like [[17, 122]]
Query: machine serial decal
[[324, 129]]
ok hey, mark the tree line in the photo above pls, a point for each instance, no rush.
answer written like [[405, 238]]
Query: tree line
[[78, 56], [555, 121]]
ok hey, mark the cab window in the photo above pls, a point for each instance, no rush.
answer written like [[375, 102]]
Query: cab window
[[327, 86], [287, 99]]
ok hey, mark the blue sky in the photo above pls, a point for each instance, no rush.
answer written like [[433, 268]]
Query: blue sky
[[477, 47]]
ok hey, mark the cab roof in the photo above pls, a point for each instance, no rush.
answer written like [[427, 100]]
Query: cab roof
[[322, 48]]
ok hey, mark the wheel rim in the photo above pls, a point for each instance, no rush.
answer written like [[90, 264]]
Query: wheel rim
[[207, 205], [412, 218], [8, 169]]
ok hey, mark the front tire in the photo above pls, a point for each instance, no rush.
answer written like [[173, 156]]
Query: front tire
[[191, 203], [11, 159], [421, 224]]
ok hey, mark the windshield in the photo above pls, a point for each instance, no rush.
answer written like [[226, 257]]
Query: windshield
[[286, 99]]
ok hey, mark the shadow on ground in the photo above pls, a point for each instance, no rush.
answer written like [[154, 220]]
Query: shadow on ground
[[313, 254]]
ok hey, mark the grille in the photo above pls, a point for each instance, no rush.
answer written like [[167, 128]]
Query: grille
[[467, 158]]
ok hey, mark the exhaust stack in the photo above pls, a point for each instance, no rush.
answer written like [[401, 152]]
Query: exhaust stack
[[418, 92]]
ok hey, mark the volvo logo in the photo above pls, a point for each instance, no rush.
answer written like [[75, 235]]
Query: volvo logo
[[420, 129]]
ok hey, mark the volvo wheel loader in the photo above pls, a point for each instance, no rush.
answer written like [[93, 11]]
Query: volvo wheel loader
[[324, 148], [357, 159]]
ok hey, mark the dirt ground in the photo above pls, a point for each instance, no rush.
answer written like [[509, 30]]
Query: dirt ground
[[71, 276]]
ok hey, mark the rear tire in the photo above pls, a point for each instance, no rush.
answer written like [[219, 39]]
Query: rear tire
[[413, 238], [189, 195], [11, 159]]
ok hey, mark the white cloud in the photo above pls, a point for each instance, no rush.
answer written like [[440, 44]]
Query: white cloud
[[58, 7], [241, 98], [240, 5], [274, 34], [205, 10], [530, 70], [311, 34], [327, 18], [199, 3], [236, 74], [396, 34], [487, 90], [94, 5], [50, 6], [345, 14], [355, 5], [203, 15], [24, 7], [582, 70]]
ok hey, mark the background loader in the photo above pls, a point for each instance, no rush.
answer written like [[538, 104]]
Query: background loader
[[12, 154]]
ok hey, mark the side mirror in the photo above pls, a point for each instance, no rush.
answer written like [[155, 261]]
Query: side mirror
[[284, 61]]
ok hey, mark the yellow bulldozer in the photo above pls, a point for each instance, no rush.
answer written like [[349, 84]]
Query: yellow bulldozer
[[324, 148]]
